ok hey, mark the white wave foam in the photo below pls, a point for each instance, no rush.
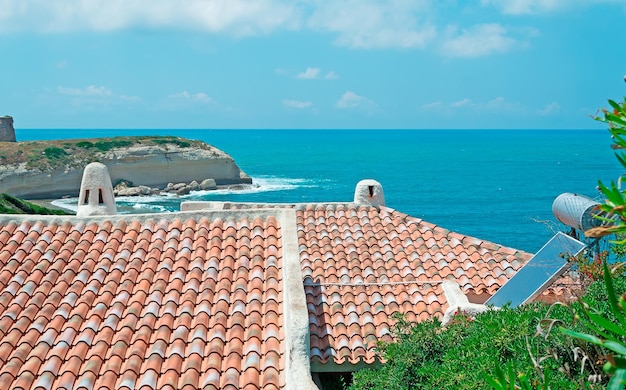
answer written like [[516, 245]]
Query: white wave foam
[[70, 204], [260, 184], [163, 197], [149, 207], [159, 203]]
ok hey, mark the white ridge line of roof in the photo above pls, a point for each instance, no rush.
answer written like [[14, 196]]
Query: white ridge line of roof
[[295, 312], [374, 283]]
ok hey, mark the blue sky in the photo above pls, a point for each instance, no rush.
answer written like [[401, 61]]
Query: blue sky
[[415, 64]]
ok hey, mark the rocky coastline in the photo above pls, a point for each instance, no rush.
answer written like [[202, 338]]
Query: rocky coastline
[[137, 166], [125, 188]]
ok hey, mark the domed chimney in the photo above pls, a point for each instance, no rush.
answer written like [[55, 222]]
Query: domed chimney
[[369, 193], [96, 192]]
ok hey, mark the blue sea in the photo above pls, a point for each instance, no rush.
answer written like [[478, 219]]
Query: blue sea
[[496, 185]]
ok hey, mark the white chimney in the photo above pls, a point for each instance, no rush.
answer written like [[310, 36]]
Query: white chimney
[[96, 192], [369, 193]]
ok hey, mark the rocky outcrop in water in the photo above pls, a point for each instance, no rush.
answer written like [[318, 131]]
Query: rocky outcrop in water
[[126, 188]]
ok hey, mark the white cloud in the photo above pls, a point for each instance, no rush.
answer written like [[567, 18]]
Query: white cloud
[[524, 7], [533, 7], [497, 104], [202, 97], [89, 91], [362, 24], [316, 73], [480, 40], [357, 23], [549, 109], [131, 99], [461, 103], [351, 100], [239, 17], [199, 97], [93, 96], [309, 73], [297, 104], [372, 24], [433, 105]]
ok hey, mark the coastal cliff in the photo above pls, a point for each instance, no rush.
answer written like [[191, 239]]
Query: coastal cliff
[[52, 169]]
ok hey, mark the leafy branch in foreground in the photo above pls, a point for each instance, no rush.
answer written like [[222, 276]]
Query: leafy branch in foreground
[[613, 211], [603, 329], [605, 333], [600, 330]]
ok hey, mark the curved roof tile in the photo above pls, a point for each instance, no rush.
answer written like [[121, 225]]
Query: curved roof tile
[[198, 302], [391, 264], [139, 305]]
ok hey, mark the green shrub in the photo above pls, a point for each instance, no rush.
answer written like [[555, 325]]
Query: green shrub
[[597, 295], [12, 205], [525, 340], [85, 144], [111, 144], [47, 155], [463, 355], [54, 153], [602, 318], [171, 141]]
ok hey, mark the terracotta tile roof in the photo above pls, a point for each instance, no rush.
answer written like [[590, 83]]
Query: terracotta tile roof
[[565, 289], [362, 265], [208, 298], [178, 304]]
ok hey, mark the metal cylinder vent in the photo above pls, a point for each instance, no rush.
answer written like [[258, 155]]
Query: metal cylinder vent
[[577, 211]]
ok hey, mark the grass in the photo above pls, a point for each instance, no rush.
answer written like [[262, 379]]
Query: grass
[[12, 205], [55, 154]]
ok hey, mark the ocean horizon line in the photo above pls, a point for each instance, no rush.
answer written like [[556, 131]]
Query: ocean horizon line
[[304, 129]]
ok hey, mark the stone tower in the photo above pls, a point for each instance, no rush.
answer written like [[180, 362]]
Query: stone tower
[[7, 132]]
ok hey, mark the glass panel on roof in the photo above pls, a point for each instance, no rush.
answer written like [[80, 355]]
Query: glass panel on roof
[[540, 271]]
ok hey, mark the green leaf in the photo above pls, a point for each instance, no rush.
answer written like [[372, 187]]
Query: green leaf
[[615, 119], [581, 336], [617, 139], [596, 329], [615, 346], [620, 158], [615, 105], [613, 193], [616, 132], [610, 289], [494, 383], [617, 380], [617, 362], [605, 324], [511, 376]]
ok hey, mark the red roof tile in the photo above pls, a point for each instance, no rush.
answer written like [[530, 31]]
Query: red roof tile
[[168, 304], [362, 265], [188, 302]]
